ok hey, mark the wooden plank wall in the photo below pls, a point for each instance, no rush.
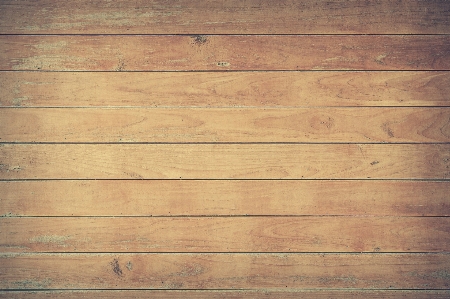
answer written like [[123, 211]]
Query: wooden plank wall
[[225, 149]]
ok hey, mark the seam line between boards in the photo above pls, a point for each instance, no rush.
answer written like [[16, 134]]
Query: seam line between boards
[[230, 71], [257, 290], [224, 71], [359, 216], [221, 143], [224, 34], [160, 107], [221, 253], [229, 179]]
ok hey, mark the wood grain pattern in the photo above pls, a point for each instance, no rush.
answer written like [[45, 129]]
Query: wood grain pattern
[[224, 89], [224, 271], [224, 161], [250, 16], [226, 234], [366, 125], [224, 149], [224, 52], [197, 198], [231, 294]]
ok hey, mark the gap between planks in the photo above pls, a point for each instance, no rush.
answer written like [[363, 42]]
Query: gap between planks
[[230, 294]]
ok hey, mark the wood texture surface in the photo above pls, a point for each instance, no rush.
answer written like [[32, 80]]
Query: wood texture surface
[[226, 125], [224, 52], [224, 271], [232, 294], [222, 197], [250, 16], [224, 149], [224, 161], [224, 89], [226, 234]]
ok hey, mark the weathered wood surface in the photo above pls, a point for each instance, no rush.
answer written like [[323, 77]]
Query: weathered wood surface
[[224, 271], [367, 125], [225, 89], [224, 161], [224, 52], [231, 294], [335, 89], [223, 197], [250, 16], [226, 234]]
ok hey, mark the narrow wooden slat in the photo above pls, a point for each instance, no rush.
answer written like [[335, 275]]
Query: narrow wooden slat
[[224, 52], [225, 89], [224, 271], [225, 17], [367, 125], [224, 161], [226, 234], [191, 198], [231, 294]]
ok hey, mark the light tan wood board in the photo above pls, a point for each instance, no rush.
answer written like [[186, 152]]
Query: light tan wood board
[[318, 125], [225, 89], [224, 52], [226, 234], [224, 271], [224, 161], [224, 197], [241, 17]]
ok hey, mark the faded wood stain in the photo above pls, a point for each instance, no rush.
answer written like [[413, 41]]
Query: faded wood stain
[[231, 149]]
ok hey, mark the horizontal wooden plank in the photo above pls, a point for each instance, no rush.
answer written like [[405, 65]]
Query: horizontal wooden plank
[[191, 198], [366, 125], [225, 89], [224, 271], [231, 294], [224, 161], [226, 234], [250, 16], [224, 52]]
